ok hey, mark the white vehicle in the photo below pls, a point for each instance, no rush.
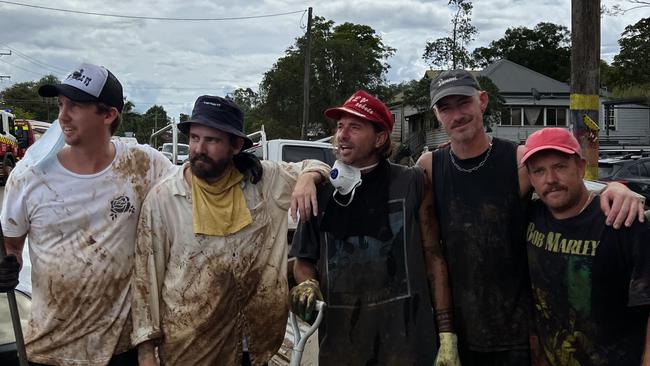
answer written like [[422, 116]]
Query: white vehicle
[[290, 151], [182, 152]]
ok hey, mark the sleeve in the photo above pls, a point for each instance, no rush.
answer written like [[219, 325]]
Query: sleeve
[[148, 273], [14, 217], [306, 240], [280, 178], [639, 291], [161, 167]]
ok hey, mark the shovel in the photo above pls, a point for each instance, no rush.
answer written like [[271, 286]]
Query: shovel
[[299, 340], [13, 309]]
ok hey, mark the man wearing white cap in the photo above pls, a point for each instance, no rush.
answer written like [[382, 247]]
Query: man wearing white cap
[[591, 283], [79, 211]]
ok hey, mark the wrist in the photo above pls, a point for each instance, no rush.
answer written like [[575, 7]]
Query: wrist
[[445, 320]]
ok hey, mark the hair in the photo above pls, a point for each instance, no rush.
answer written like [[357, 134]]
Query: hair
[[105, 108]]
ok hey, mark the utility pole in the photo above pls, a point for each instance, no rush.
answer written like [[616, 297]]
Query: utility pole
[[305, 89], [585, 79], [5, 54]]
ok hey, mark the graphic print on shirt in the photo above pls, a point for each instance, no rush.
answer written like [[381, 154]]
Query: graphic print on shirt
[[119, 205], [363, 270]]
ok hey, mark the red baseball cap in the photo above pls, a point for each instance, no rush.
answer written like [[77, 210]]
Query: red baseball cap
[[364, 105], [553, 138]]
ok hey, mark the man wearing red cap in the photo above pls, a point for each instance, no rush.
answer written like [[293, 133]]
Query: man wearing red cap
[[365, 249], [591, 283], [480, 200]]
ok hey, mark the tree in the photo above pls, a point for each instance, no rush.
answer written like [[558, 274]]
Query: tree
[[24, 96], [545, 49], [619, 9], [451, 51], [631, 65], [130, 121], [345, 58], [496, 104]]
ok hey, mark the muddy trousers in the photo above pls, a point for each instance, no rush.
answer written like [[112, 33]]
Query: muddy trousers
[[128, 358]]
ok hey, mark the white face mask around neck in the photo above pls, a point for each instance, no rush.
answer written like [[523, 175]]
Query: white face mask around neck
[[345, 179]]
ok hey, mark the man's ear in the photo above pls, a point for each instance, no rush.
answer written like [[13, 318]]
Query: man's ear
[[111, 115], [483, 98], [381, 139], [237, 145], [582, 167]]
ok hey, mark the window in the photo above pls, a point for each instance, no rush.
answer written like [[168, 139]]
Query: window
[[610, 117], [292, 154], [535, 116]]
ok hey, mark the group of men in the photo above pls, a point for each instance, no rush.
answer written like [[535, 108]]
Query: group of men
[[135, 262]]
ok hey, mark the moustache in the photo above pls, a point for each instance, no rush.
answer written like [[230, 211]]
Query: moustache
[[203, 158], [555, 188]]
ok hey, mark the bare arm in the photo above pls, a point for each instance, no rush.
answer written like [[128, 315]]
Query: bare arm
[[646, 352], [146, 354], [303, 270], [15, 246], [436, 266]]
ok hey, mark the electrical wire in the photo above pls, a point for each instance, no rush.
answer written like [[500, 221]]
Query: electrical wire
[[38, 63], [22, 68], [149, 18]]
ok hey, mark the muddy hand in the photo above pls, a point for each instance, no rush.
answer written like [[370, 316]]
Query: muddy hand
[[303, 298], [9, 270]]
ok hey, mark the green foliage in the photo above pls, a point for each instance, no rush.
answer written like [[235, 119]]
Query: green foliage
[[451, 52], [22, 114], [24, 96], [631, 66], [638, 90], [545, 49], [496, 104], [344, 59]]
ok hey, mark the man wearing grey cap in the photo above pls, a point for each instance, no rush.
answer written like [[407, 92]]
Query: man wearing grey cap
[[210, 282], [79, 212], [481, 194]]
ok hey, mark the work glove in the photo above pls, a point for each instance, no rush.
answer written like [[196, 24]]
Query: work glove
[[303, 298], [9, 269], [448, 351], [249, 163]]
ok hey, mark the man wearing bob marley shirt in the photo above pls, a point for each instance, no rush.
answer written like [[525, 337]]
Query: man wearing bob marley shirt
[[591, 283]]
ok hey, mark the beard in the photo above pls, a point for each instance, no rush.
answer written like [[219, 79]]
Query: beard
[[203, 167]]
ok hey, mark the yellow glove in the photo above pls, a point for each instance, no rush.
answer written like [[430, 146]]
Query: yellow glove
[[448, 351], [303, 298]]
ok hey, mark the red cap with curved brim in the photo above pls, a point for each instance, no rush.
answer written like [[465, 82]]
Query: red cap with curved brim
[[365, 106], [552, 138]]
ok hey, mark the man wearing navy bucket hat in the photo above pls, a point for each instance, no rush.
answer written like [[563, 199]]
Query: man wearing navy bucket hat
[[210, 282], [363, 254], [79, 211]]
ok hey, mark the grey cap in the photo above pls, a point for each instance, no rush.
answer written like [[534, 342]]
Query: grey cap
[[453, 82]]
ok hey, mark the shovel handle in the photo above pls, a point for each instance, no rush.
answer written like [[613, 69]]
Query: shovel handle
[[299, 340], [13, 310]]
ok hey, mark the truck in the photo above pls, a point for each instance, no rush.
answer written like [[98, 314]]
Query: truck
[[26, 132], [9, 152], [290, 151]]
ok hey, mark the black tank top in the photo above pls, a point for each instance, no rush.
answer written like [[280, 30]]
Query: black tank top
[[482, 220]]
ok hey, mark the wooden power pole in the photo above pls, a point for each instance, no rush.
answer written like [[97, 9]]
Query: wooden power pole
[[585, 79], [305, 85]]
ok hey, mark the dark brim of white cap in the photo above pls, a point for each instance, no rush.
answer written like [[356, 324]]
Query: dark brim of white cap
[[454, 90], [50, 91]]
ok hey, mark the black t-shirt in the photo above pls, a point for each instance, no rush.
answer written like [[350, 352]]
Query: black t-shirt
[[379, 310], [591, 285], [482, 224]]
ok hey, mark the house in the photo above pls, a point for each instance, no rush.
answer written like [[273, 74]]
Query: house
[[532, 101]]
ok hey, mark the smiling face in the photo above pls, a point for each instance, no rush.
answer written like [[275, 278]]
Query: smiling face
[[462, 116], [557, 179], [82, 122], [358, 141]]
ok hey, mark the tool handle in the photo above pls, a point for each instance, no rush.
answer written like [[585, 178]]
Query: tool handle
[[299, 340]]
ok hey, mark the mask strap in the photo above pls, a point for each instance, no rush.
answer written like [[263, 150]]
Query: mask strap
[[351, 196]]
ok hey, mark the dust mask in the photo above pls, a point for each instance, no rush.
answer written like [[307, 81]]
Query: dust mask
[[345, 179]]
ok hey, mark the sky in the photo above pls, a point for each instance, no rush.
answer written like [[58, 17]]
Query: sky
[[171, 63]]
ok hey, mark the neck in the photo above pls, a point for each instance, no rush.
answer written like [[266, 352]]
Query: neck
[[87, 159], [468, 149], [575, 209]]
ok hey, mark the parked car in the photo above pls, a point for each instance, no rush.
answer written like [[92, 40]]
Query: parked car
[[631, 170], [182, 152]]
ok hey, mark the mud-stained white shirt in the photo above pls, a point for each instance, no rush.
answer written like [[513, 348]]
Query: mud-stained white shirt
[[199, 295], [81, 231]]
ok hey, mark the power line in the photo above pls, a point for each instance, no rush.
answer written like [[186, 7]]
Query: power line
[[22, 68], [150, 18], [33, 60]]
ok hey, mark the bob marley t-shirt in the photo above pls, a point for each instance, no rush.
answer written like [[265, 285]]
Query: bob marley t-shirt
[[590, 283]]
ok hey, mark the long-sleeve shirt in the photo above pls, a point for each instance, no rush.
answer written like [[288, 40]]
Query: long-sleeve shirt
[[199, 296]]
